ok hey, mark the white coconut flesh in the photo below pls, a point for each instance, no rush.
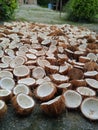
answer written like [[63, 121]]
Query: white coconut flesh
[[92, 83], [24, 101], [72, 99], [45, 89], [51, 101], [38, 72], [21, 88], [4, 65], [18, 61], [59, 77], [1, 104], [90, 73], [5, 73], [89, 108], [6, 59], [27, 81], [4, 92], [92, 56], [31, 56], [21, 71], [7, 83], [86, 91], [64, 85]]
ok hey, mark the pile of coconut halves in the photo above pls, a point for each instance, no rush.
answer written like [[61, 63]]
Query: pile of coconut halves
[[55, 66]]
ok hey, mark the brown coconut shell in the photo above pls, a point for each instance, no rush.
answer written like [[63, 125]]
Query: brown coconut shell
[[75, 73], [23, 104], [3, 108], [54, 107], [5, 95]]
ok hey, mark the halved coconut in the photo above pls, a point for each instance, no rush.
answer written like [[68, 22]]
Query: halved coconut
[[84, 59], [21, 71], [58, 78], [4, 65], [7, 83], [89, 108], [6, 59], [77, 83], [90, 66], [3, 108], [85, 91], [72, 99], [63, 69], [27, 81], [62, 58], [92, 83], [21, 88], [50, 69], [45, 91], [90, 74], [92, 56], [18, 61], [31, 56], [42, 62], [54, 107], [52, 59], [5, 73], [5, 95], [38, 72], [64, 86], [77, 54], [23, 104], [75, 73]]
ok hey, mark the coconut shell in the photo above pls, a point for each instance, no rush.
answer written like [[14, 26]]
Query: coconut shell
[[41, 90], [22, 110], [54, 107], [3, 108]]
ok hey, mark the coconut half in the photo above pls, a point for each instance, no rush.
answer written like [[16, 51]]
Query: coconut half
[[21, 71], [89, 108], [21, 88], [3, 108], [92, 83], [85, 91], [27, 81], [5, 73], [5, 95], [90, 74], [7, 83], [23, 104], [45, 91], [58, 78], [54, 107], [38, 72], [72, 99]]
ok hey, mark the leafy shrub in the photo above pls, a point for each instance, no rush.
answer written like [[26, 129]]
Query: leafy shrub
[[43, 2], [7, 8], [82, 10]]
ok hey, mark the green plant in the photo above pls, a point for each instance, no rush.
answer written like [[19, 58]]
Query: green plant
[[82, 10], [43, 2], [7, 8]]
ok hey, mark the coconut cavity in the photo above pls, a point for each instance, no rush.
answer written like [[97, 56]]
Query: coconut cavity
[[25, 101], [89, 108], [72, 99]]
